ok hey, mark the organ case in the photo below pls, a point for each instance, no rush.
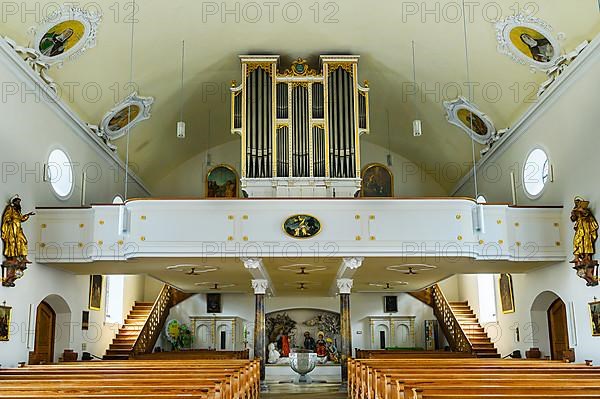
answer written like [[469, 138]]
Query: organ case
[[300, 129]]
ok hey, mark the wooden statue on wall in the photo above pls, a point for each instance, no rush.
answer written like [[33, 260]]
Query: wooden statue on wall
[[15, 242], [584, 242]]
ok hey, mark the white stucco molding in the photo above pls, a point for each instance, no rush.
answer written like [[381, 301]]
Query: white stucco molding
[[345, 285]]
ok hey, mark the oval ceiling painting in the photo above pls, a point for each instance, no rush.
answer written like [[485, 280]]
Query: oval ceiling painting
[[532, 43], [123, 118], [472, 121], [65, 34], [61, 38], [529, 41], [302, 226]]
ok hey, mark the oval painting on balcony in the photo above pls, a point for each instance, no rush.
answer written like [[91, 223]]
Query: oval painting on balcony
[[302, 226]]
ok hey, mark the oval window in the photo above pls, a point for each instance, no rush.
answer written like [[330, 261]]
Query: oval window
[[536, 172], [60, 173]]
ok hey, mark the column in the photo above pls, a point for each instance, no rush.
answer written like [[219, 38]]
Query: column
[[260, 289], [344, 288]]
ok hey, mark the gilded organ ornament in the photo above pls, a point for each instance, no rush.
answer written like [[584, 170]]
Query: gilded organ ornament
[[302, 226], [15, 242], [584, 241]]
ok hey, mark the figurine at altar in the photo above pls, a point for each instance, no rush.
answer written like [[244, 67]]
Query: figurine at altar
[[15, 242], [309, 342], [321, 347], [332, 351], [584, 241], [273, 354]]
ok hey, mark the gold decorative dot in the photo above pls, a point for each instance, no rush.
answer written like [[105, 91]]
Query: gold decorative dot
[[80, 245], [481, 242], [230, 217], [42, 245], [81, 226], [518, 243], [556, 224], [143, 238], [372, 217], [517, 224], [558, 243], [100, 242], [458, 217], [143, 217], [101, 222], [44, 226], [230, 238], [358, 238], [372, 238], [498, 221], [245, 238], [459, 238], [500, 242], [245, 217], [120, 242], [357, 217]]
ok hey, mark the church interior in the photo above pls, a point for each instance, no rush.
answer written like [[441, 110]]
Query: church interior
[[300, 199]]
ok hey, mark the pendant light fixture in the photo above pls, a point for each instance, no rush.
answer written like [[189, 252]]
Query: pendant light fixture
[[417, 124], [181, 123]]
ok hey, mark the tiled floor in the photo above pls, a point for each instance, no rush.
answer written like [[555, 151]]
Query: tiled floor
[[308, 391]]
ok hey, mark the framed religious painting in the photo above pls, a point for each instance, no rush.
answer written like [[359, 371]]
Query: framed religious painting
[[95, 292], [65, 34], [595, 318], [5, 313], [390, 304], [222, 182], [213, 303], [528, 41], [377, 181], [466, 116], [126, 115], [507, 298]]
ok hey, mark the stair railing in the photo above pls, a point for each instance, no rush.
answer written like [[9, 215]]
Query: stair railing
[[156, 319], [456, 336]]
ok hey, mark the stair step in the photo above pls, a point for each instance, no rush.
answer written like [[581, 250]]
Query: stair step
[[488, 355], [464, 303], [115, 357], [136, 312], [138, 303], [121, 346], [478, 347], [137, 316]]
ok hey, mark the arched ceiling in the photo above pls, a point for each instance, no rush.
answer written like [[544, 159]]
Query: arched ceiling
[[380, 32]]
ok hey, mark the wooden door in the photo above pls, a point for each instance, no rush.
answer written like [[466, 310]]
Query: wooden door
[[45, 321], [557, 325]]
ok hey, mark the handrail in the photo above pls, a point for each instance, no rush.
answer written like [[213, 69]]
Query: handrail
[[457, 338], [156, 319]]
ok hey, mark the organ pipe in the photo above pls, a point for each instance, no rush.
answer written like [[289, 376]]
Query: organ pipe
[[301, 122]]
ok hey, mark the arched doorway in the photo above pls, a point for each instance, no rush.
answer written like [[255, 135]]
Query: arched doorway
[[549, 325], [558, 329], [52, 330]]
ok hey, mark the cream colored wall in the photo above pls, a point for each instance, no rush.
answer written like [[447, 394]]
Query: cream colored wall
[[568, 130], [30, 130], [188, 179]]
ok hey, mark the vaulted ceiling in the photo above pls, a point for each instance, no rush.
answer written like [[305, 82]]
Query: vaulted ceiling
[[380, 32]]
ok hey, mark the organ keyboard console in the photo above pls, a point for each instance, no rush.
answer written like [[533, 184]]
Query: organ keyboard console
[[300, 129]]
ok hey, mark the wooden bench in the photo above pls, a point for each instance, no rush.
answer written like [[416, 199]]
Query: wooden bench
[[447, 378], [209, 379]]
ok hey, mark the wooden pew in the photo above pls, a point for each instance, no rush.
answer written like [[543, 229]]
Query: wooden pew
[[210, 379]]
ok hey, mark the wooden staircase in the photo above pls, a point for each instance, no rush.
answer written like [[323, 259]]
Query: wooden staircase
[[122, 344], [481, 344]]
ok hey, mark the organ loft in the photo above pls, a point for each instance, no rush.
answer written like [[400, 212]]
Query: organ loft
[[301, 128]]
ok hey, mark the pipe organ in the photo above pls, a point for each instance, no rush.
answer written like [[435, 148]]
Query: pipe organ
[[300, 129]]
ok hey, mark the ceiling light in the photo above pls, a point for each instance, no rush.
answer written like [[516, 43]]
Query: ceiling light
[[411, 268]]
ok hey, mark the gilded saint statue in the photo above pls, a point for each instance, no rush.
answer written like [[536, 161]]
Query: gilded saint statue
[[584, 241], [15, 242]]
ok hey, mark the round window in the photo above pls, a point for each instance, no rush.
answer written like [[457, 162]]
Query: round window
[[536, 172], [60, 173]]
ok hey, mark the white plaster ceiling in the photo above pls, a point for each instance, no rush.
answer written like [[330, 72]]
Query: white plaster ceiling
[[379, 31]]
